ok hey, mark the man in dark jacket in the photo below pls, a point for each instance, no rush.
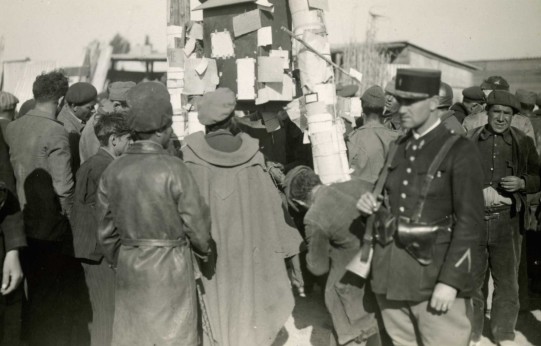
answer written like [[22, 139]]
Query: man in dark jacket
[[334, 228], [511, 170], [114, 136], [425, 300], [150, 211]]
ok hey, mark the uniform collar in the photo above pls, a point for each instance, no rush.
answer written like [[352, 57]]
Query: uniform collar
[[424, 133], [486, 134]]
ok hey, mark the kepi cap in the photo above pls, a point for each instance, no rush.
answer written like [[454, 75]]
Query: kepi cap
[[8, 101], [474, 94], [417, 83], [81, 93], [373, 97], [150, 107], [503, 98], [216, 106]]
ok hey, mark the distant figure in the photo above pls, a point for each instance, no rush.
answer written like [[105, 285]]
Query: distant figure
[[8, 104], [368, 145], [249, 298], [391, 115], [114, 136], [448, 116], [80, 102], [151, 216], [473, 102]]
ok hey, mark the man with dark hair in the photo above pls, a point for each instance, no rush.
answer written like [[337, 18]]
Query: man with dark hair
[[473, 102], [368, 145], [334, 229], [80, 102], [448, 116], [150, 212], [114, 136], [519, 121], [40, 155], [427, 223], [511, 170]]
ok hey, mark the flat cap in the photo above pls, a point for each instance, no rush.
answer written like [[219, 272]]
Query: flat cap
[[347, 90], [474, 94], [373, 97], [216, 106], [445, 96], [417, 83], [81, 93], [495, 83], [150, 107], [119, 90], [526, 96], [503, 98], [8, 101]]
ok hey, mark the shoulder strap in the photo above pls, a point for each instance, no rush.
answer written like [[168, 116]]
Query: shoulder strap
[[430, 175]]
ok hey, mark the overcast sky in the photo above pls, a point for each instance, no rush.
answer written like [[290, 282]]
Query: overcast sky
[[461, 29]]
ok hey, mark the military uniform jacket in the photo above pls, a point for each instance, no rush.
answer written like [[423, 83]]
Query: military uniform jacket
[[456, 190]]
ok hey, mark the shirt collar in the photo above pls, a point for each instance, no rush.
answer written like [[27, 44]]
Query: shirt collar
[[419, 135], [486, 134]]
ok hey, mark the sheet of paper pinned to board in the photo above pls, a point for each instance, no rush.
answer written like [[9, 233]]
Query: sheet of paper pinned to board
[[175, 95], [174, 36], [269, 69], [265, 5], [196, 31], [246, 79], [222, 45], [202, 66], [282, 91], [246, 22], [196, 84], [189, 47], [264, 36], [319, 4], [284, 54]]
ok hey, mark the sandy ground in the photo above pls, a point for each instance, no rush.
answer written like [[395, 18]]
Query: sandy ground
[[310, 324]]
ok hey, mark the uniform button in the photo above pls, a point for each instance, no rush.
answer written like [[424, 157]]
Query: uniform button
[[401, 209], [405, 182], [414, 147], [403, 195], [491, 169], [490, 183], [412, 158], [408, 170]]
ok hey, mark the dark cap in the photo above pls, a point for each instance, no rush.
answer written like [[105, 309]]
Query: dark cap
[[216, 106], [8, 101], [373, 97], [495, 83], [474, 94], [503, 98], [119, 90], [445, 96], [525, 96], [348, 90], [150, 107], [81, 93], [417, 83]]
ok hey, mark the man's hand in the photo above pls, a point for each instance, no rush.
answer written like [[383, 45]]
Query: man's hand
[[12, 272], [512, 183], [368, 203], [443, 297]]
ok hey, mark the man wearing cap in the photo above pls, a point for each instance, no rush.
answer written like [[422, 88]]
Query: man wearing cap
[[424, 253], [519, 121], [79, 106], [473, 102], [511, 170], [8, 104], [369, 144], [448, 116], [391, 116], [149, 213], [116, 102], [249, 299]]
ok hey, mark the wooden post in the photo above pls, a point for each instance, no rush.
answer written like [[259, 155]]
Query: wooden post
[[178, 15], [325, 128]]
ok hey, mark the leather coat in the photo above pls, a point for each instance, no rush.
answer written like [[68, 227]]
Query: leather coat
[[149, 209]]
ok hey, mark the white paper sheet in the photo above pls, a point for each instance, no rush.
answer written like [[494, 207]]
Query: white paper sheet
[[264, 36], [222, 45], [246, 79], [246, 22], [269, 69]]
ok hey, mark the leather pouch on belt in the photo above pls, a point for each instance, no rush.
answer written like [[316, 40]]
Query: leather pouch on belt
[[418, 239], [385, 225]]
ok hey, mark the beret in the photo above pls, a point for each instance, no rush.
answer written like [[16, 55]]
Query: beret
[[495, 83], [8, 101], [149, 107], [503, 98], [445, 96], [417, 83], [216, 106], [373, 97], [348, 90], [526, 97], [118, 90], [81, 93], [474, 93]]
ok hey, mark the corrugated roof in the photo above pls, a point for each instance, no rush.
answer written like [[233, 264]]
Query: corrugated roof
[[219, 3]]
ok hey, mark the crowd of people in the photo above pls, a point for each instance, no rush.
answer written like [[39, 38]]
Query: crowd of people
[[126, 236]]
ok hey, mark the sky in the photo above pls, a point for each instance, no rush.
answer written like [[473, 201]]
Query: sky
[[59, 30]]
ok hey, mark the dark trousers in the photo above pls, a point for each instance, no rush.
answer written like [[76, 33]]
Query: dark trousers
[[503, 243]]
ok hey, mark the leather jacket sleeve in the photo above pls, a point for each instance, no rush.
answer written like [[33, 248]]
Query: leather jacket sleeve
[[59, 161]]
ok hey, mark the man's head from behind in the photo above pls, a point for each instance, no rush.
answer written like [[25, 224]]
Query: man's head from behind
[[373, 101], [8, 103], [113, 133], [50, 87], [299, 184], [501, 106], [527, 101]]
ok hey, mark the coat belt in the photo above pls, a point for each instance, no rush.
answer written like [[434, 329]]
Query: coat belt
[[154, 242]]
